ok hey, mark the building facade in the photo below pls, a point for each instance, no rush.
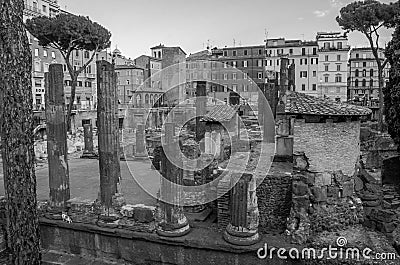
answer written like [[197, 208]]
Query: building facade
[[302, 54], [130, 78], [363, 78], [151, 66], [333, 52]]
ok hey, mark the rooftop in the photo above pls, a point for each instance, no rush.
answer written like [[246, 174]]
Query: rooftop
[[220, 113], [299, 103]]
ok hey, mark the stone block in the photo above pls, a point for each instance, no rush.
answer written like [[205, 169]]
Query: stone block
[[348, 189], [358, 184], [323, 179], [300, 161], [301, 202], [333, 191], [370, 224], [371, 203], [319, 194], [385, 227], [143, 214], [374, 188], [385, 216], [300, 188]]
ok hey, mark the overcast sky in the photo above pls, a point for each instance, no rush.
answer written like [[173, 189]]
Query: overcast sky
[[137, 25]]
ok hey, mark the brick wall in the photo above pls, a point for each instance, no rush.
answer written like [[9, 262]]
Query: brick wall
[[329, 146]]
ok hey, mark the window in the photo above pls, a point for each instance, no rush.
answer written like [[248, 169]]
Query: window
[[36, 52], [338, 79], [327, 45], [46, 67], [364, 83], [244, 88], [37, 66], [234, 87], [88, 84], [314, 73], [44, 53], [38, 83], [371, 72], [314, 51], [303, 51], [357, 55], [259, 75], [364, 73], [338, 67], [234, 64], [53, 55], [356, 83], [245, 63], [357, 73], [225, 65], [225, 76], [44, 8], [87, 55], [326, 78], [290, 51], [259, 52], [259, 63], [245, 76], [326, 67], [277, 62], [245, 52], [76, 53], [364, 64], [128, 81], [303, 74], [65, 67], [339, 58], [303, 87], [371, 83], [314, 87], [234, 53], [234, 76], [79, 83], [225, 53], [339, 45], [301, 61], [326, 58], [78, 99]]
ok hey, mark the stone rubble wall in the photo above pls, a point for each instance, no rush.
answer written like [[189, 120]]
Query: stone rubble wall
[[321, 201]]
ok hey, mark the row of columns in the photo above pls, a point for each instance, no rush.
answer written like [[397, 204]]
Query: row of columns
[[243, 228]]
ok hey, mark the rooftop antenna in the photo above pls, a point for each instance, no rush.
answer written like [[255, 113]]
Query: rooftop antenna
[[234, 43], [208, 44], [266, 34]]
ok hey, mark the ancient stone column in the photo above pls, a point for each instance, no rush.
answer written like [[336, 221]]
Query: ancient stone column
[[107, 109], [244, 216], [57, 137], [88, 152], [201, 105], [140, 149], [172, 221]]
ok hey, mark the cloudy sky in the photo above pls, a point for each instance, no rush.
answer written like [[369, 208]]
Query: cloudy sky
[[137, 25]]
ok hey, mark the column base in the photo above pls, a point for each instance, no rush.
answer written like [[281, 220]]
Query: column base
[[175, 231], [237, 237]]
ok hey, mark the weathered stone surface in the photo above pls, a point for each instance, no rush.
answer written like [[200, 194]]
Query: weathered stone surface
[[348, 189], [323, 179], [374, 188], [319, 194], [386, 227], [371, 203], [333, 191], [386, 216], [299, 188], [358, 184]]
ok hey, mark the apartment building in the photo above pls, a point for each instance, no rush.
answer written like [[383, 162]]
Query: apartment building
[[333, 50], [130, 78], [363, 78], [302, 54], [151, 66]]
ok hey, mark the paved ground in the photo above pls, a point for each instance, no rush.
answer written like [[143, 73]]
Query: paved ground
[[85, 181]]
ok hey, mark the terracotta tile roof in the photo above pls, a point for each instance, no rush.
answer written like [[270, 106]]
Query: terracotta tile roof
[[220, 113], [299, 103]]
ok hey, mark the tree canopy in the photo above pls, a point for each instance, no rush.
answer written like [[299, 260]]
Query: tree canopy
[[367, 16], [69, 32], [392, 90]]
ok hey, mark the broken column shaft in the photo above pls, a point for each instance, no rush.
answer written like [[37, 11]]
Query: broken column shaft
[[173, 222], [108, 132], [88, 152], [243, 227], [57, 137]]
